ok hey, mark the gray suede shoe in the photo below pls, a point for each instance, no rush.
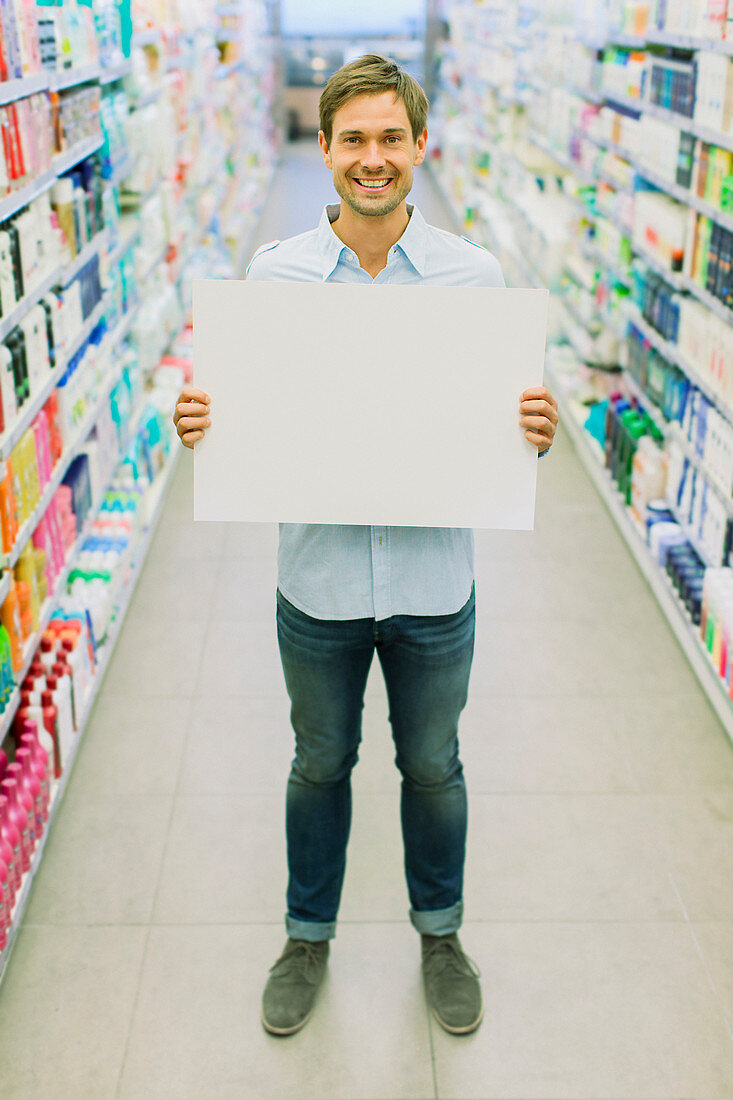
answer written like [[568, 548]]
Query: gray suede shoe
[[290, 993], [451, 984]]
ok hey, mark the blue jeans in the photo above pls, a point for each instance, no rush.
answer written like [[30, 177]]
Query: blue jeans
[[426, 662]]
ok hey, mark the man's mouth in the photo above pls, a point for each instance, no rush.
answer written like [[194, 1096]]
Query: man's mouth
[[375, 184]]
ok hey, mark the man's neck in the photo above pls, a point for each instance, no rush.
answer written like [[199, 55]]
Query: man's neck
[[371, 238]]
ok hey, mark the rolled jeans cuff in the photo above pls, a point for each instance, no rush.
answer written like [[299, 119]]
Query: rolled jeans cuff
[[311, 930], [437, 922]]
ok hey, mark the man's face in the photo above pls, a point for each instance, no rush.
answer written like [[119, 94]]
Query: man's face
[[372, 153]]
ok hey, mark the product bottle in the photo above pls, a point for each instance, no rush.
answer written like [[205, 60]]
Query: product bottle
[[42, 765], [3, 764], [4, 905], [63, 671], [55, 696], [33, 784], [11, 836], [26, 799], [32, 713], [7, 856], [19, 818]]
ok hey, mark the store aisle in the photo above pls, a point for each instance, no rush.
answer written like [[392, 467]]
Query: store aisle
[[599, 890]]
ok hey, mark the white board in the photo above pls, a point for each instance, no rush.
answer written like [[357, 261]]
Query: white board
[[389, 405]]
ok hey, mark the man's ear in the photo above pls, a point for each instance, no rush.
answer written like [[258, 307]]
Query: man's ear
[[422, 142], [325, 150]]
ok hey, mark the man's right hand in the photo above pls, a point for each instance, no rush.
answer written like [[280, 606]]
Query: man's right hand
[[191, 416]]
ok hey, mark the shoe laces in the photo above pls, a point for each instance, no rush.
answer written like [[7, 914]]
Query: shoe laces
[[447, 954], [303, 956]]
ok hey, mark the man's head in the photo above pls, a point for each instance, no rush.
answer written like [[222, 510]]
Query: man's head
[[373, 132]]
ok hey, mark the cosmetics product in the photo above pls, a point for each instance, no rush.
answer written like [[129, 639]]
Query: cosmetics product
[[19, 818], [12, 837], [33, 786], [7, 854], [26, 799], [41, 763]]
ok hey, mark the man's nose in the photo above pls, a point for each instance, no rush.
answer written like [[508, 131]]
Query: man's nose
[[373, 157]]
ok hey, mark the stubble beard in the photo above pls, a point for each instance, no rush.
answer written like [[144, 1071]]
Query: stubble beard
[[371, 209]]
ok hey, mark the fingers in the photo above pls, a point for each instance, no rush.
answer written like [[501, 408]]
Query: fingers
[[191, 415], [188, 439], [189, 393]]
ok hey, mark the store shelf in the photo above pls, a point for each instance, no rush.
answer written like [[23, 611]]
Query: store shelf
[[672, 352], [682, 122], [16, 200], [92, 248], [687, 42], [12, 90], [70, 78], [675, 613], [151, 36], [124, 246], [62, 162], [714, 304], [62, 466], [146, 100], [109, 74], [104, 655], [27, 303]]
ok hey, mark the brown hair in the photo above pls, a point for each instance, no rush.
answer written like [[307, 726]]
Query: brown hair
[[371, 75]]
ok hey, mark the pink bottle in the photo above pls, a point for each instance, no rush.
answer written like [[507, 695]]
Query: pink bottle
[[29, 740], [3, 764], [7, 857], [11, 836], [5, 908], [33, 783], [26, 799], [19, 818]]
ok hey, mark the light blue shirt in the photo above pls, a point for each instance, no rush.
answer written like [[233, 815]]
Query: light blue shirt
[[333, 571]]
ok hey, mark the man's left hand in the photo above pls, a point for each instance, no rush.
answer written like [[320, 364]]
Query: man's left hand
[[539, 416]]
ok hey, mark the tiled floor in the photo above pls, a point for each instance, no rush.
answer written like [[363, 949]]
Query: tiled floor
[[599, 894]]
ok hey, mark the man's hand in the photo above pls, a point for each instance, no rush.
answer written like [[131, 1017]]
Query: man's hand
[[539, 416], [191, 416]]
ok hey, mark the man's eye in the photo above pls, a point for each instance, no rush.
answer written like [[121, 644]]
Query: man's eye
[[393, 139]]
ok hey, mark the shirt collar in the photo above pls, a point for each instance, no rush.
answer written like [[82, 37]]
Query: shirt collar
[[412, 242]]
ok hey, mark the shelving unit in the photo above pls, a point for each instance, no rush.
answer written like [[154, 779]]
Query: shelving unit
[[256, 151], [468, 110]]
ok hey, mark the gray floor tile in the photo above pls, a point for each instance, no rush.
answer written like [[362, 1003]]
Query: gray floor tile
[[102, 860], [251, 540], [542, 744], [238, 746], [715, 940], [696, 832], [224, 862], [577, 1010], [240, 660], [132, 745], [197, 1033], [516, 657], [674, 742], [157, 658], [65, 1008], [566, 857], [374, 884], [245, 591]]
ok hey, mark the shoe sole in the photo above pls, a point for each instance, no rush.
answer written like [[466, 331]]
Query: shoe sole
[[459, 1030], [284, 1030]]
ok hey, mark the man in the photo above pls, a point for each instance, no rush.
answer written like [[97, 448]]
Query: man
[[345, 592]]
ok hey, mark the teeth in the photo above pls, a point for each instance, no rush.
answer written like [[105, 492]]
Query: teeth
[[374, 184]]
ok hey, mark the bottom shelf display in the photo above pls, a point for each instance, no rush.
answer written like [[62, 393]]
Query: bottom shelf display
[[694, 592], [65, 660]]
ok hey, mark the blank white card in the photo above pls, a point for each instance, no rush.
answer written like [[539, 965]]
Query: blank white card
[[395, 405]]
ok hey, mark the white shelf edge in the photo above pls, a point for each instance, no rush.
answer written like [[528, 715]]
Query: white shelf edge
[[69, 78], [28, 301], [710, 682], [62, 162], [13, 90], [16, 200]]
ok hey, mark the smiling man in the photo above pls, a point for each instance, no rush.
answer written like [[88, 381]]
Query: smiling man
[[346, 592]]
